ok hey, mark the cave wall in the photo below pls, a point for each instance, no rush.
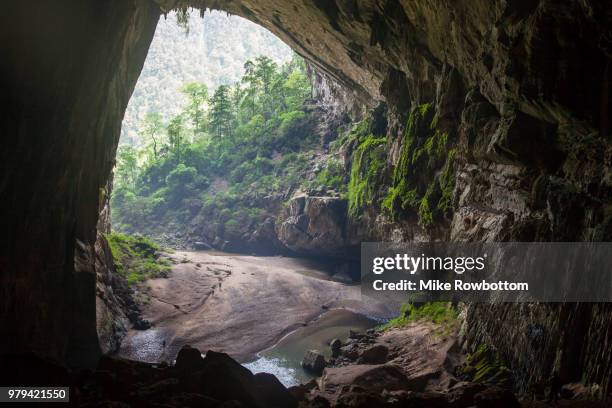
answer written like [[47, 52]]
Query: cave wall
[[68, 70], [522, 88]]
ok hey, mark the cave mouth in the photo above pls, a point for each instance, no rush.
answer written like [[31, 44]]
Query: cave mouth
[[495, 74], [217, 138], [210, 85]]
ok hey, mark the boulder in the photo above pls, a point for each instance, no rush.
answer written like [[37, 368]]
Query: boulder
[[374, 355], [415, 399], [349, 351], [496, 397], [188, 358], [272, 392], [356, 335], [313, 361], [314, 225], [299, 391], [335, 347], [357, 397], [462, 395], [222, 378], [374, 378]]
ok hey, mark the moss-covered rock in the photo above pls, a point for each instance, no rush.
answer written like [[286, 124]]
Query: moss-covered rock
[[423, 178], [485, 366], [368, 163]]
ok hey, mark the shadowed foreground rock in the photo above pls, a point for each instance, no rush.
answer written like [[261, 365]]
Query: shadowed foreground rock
[[217, 380], [195, 381]]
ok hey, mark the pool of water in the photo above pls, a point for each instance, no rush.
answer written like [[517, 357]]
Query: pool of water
[[284, 359]]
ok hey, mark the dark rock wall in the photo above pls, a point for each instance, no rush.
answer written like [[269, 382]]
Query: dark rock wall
[[522, 89], [68, 70]]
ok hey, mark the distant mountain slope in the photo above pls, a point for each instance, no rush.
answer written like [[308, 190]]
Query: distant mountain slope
[[213, 52]]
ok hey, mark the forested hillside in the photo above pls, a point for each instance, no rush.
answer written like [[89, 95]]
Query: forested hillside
[[211, 49], [220, 159]]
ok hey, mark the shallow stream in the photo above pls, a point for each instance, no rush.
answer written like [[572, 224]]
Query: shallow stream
[[284, 358]]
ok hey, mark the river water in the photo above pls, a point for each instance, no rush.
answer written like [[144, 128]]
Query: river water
[[284, 359]]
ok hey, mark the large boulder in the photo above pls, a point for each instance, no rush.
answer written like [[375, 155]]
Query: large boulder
[[188, 358], [272, 392], [222, 378], [335, 345], [313, 361], [496, 397], [376, 354], [374, 378], [462, 395], [300, 391], [314, 225]]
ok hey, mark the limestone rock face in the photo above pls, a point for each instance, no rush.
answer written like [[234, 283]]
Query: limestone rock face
[[314, 225]]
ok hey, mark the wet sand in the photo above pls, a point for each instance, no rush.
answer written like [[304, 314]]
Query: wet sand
[[237, 304]]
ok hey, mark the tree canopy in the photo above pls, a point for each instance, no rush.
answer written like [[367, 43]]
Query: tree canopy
[[249, 134]]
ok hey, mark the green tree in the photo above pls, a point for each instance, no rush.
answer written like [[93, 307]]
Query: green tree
[[297, 88], [265, 72], [250, 82], [221, 117], [180, 181], [176, 137], [195, 110], [126, 171], [152, 132], [265, 69]]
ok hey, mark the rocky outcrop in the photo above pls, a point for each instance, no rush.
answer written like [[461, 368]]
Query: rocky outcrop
[[116, 307], [195, 381], [314, 225], [314, 362]]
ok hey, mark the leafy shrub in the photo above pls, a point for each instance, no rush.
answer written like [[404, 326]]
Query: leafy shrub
[[232, 228], [136, 257]]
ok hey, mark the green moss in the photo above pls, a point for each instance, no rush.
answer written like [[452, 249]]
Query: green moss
[[332, 176], [425, 215], [354, 135], [423, 179], [368, 162], [441, 313], [136, 257], [485, 366]]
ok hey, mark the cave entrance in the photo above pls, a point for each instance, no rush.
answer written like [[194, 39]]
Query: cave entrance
[[70, 69], [221, 131]]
